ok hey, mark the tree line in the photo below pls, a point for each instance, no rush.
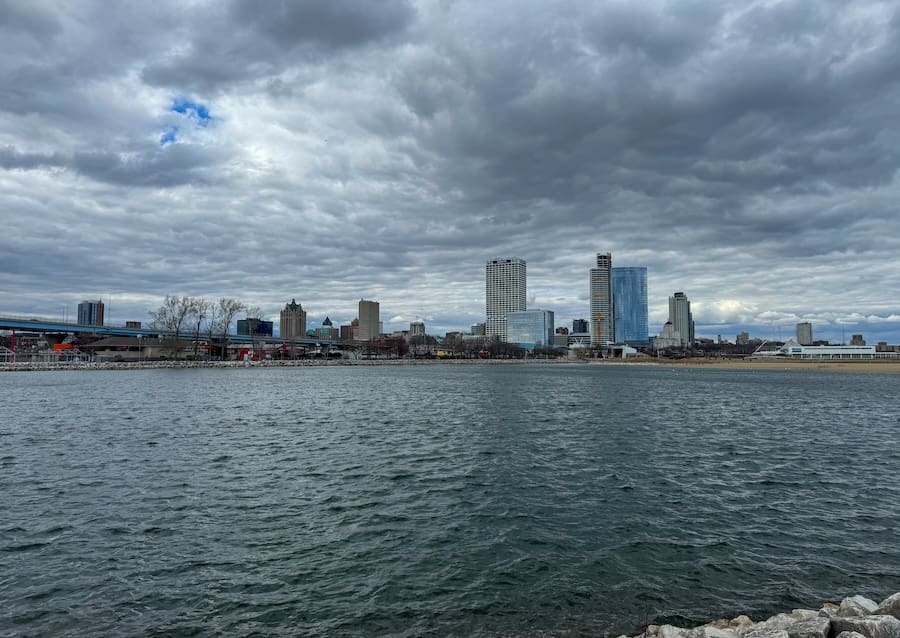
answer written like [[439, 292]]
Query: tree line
[[196, 316]]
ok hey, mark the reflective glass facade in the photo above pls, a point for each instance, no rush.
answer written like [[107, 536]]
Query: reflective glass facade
[[530, 328], [630, 305]]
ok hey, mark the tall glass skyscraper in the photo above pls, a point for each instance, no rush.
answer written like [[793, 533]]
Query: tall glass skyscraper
[[630, 304]]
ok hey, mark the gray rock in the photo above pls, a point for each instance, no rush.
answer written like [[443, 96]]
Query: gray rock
[[815, 627], [710, 631], [804, 614], [668, 631], [829, 610], [868, 626], [740, 622], [808, 624], [890, 606], [856, 606], [760, 631], [850, 634]]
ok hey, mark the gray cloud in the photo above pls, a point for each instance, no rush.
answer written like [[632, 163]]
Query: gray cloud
[[747, 153], [266, 41]]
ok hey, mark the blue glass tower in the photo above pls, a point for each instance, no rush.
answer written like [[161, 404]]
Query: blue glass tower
[[630, 305]]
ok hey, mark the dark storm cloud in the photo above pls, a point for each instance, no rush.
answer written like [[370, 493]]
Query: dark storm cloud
[[747, 153], [170, 166], [264, 40]]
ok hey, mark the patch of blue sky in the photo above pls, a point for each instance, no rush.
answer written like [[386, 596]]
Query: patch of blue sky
[[169, 136], [194, 110]]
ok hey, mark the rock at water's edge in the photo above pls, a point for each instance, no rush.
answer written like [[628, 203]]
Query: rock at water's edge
[[857, 606], [868, 626], [668, 631], [818, 627], [765, 632], [709, 631], [890, 606]]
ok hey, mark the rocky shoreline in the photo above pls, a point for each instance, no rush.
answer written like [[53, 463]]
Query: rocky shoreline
[[299, 363], [875, 365], [854, 617]]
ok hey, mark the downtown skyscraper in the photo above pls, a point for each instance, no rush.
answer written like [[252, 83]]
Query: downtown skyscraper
[[630, 304], [681, 318], [292, 321], [601, 296], [369, 320], [504, 291]]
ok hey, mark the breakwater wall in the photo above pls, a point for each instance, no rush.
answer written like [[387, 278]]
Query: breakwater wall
[[853, 617]]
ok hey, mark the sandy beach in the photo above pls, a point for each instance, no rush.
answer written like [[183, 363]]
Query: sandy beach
[[859, 365]]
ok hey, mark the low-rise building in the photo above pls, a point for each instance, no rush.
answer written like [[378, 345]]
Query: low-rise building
[[530, 328]]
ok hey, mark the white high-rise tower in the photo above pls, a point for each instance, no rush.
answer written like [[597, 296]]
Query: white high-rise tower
[[681, 317], [504, 287]]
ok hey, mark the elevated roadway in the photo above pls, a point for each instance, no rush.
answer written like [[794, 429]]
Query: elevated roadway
[[40, 325]]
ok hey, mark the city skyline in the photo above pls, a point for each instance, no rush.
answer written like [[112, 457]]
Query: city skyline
[[745, 153]]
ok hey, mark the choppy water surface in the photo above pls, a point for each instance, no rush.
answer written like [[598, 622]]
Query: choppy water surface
[[465, 500]]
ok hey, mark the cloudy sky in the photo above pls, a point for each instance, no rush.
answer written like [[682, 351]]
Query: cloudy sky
[[747, 153]]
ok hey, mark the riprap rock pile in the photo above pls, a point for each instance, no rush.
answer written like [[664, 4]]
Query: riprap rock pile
[[855, 617]]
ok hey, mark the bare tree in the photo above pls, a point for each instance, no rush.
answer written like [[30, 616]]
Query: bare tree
[[227, 310], [171, 317], [255, 315], [199, 309], [211, 324]]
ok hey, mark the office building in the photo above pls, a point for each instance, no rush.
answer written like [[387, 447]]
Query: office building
[[681, 318], [857, 340], [416, 328], [369, 320], [90, 313], [292, 323], [804, 333], [477, 329], [601, 296], [254, 326], [668, 338], [630, 304], [505, 292], [580, 325], [327, 331], [743, 339], [530, 328]]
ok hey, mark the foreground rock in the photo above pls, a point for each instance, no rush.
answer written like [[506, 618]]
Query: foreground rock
[[854, 617], [890, 607]]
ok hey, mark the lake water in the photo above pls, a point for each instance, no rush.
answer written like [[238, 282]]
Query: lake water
[[486, 500]]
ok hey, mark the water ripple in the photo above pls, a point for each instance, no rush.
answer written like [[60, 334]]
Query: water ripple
[[469, 501]]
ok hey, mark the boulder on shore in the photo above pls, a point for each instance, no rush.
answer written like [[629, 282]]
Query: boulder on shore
[[868, 626], [855, 617], [857, 606], [890, 606]]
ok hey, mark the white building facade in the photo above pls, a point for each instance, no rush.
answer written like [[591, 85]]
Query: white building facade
[[505, 292], [681, 318]]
